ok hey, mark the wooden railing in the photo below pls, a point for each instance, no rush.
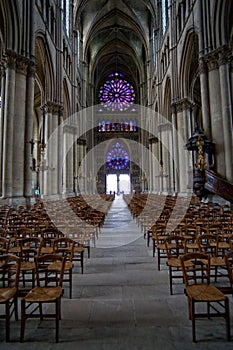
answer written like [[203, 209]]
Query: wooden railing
[[218, 185]]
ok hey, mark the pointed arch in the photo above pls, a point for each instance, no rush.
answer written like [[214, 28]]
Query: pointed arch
[[167, 100], [189, 70], [9, 25], [66, 100]]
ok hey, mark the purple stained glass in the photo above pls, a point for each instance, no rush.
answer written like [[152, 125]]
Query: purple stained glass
[[116, 93], [117, 158]]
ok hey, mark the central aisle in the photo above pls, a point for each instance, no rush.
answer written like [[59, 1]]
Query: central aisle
[[118, 228], [122, 301]]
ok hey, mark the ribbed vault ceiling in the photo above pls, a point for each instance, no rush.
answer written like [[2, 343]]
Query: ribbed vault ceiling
[[115, 36]]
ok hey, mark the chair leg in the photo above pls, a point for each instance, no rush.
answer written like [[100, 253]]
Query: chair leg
[[193, 321], [23, 320], [7, 308], [148, 238], [70, 278], [58, 316], [82, 262], [227, 317], [170, 280], [158, 250], [153, 248], [16, 308]]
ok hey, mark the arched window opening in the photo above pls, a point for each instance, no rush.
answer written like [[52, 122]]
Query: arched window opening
[[117, 158]]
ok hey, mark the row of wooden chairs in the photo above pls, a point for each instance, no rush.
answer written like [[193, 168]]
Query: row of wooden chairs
[[175, 248], [49, 271], [191, 236], [30, 247]]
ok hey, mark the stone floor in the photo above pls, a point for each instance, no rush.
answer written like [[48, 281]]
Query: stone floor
[[121, 302]]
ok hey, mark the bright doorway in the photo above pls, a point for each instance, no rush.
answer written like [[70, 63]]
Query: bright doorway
[[125, 185], [111, 183]]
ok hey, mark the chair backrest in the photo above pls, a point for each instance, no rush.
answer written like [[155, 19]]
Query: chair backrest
[[196, 268], [174, 246], [208, 244], [64, 246], [9, 271], [50, 270], [29, 248]]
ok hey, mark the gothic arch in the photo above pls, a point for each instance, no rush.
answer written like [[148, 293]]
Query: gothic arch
[[66, 100], [9, 25], [167, 100], [189, 65], [223, 27]]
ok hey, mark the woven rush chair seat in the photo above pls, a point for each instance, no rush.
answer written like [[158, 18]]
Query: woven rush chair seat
[[39, 295], [204, 293]]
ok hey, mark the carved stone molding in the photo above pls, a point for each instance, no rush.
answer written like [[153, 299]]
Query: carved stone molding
[[22, 65], [182, 105], [10, 59], [54, 108], [212, 62], [224, 56], [202, 66], [31, 69]]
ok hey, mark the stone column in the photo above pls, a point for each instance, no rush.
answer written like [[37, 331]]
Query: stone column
[[224, 74], [175, 149], [205, 99], [182, 140], [165, 157], [29, 130], [19, 144], [52, 148], [60, 150], [216, 114], [3, 82], [8, 125], [150, 167]]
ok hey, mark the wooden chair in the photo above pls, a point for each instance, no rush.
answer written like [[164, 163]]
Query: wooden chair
[[209, 244], [64, 246], [49, 279], [196, 273], [174, 248], [9, 272]]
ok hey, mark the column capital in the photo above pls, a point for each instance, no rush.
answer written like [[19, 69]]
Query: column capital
[[224, 56], [54, 107], [10, 59], [31, 69], [212, 62], [202, 66], [182, 104], [22, 65]]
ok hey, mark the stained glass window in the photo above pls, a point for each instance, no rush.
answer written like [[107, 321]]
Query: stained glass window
[[117, 158], [116, 94], [107, 126]]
